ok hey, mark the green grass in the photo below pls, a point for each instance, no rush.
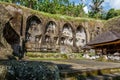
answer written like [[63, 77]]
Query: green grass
[[113, 18], [30, 58], [53, 56], [64, 17]]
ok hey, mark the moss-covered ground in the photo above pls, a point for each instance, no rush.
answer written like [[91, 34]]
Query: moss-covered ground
[[53, 56]]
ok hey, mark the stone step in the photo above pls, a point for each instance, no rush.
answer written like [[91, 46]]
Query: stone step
[[115, 76]]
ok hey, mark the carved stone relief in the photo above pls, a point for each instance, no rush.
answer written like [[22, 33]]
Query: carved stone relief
[[67, 35], [80, 37], [33, 33]]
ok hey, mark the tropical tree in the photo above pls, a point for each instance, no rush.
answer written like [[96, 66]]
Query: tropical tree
[[96, 8], [112, 13], [64, 7]]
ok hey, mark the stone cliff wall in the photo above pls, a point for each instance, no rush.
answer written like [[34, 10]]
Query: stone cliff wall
[[112, 24], [37, 31]]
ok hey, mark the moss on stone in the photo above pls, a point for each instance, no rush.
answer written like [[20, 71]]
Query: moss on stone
[[112, 24], [28, 70]]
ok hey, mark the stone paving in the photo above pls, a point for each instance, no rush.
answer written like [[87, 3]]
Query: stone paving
[[85, 64], [71, 68]]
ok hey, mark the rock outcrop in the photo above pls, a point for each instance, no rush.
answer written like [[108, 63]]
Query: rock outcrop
[[112, 24], [28, 70], [22, 28]]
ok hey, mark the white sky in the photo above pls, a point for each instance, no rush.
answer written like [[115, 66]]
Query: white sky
[[113, 3]]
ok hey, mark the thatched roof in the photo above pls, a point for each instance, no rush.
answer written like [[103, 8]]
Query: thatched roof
[[105, 37]]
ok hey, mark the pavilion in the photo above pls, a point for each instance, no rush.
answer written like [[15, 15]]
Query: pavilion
[[107, 42]]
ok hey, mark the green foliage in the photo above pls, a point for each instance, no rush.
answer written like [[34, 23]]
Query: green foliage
[[96, 8], [112, 13], [63, 7]]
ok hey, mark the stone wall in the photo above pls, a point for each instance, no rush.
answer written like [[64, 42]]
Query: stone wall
[[38, 31]]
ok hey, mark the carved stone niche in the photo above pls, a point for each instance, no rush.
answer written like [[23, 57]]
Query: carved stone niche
[[67, 35], [66, 39], [80, 37], [97, 31], [33, 34], [51, 28], [51, 37]]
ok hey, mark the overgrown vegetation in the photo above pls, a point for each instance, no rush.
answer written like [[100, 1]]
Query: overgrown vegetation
[[66, 7], [96, 9], [112, 13]]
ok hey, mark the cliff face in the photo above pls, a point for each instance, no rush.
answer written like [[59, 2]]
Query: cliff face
[[5, 49], [113, 24], [37, 31]]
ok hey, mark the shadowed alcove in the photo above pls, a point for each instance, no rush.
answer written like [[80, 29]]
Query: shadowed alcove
[[12, 38], [33, 34]]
